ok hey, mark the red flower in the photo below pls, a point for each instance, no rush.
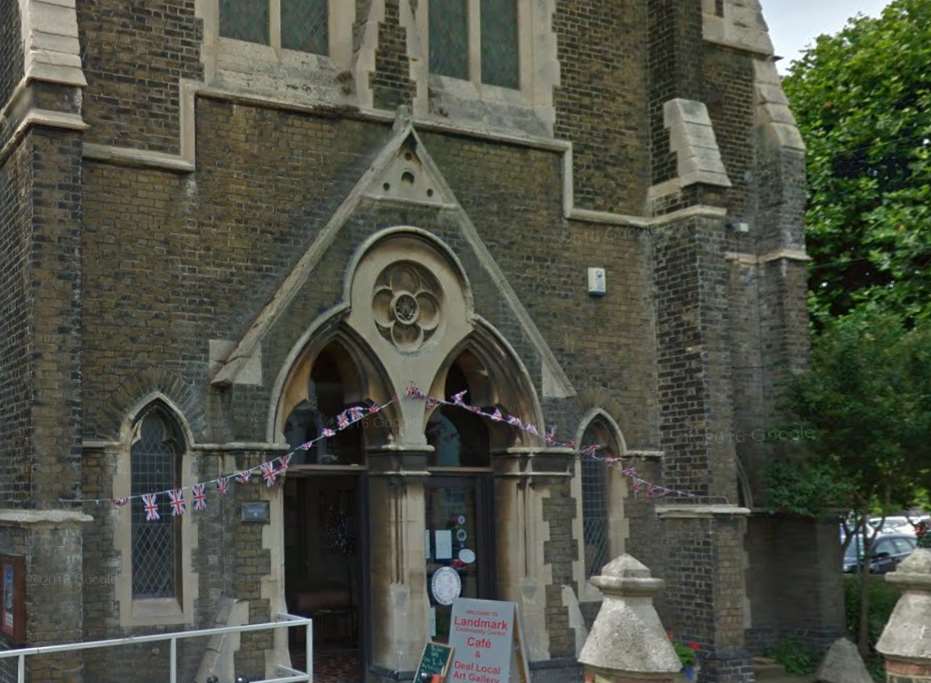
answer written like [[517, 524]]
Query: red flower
[[695, 647]]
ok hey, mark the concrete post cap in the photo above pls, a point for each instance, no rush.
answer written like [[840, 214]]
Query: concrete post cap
[[915, 572], [627, 636], [907, 636], [627, 576]]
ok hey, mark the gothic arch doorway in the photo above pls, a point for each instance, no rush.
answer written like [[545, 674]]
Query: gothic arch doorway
[[326, 530]]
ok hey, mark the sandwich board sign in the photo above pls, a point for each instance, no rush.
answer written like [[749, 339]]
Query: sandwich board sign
[[488, 643], [434, 663]]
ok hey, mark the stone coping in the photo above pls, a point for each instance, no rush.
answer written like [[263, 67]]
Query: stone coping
[[700, 511], [35, 517]]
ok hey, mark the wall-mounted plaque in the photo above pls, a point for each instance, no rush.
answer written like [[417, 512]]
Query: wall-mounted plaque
[[255, 512], [13, 598]]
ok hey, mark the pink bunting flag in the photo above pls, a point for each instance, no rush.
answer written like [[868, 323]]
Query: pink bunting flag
[[342, 420], [150, 503], [120, 502], [178, 504], [269, 473], [199, 493], [223, 485], [244, 476]]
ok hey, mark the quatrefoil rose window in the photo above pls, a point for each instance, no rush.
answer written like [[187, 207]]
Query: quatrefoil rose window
[[407, 305]]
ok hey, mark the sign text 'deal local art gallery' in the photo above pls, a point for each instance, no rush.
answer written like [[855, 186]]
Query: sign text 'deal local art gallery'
[[486, 636]]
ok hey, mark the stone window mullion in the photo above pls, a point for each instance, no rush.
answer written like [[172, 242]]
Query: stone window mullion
[[274, 18], [475, 42]]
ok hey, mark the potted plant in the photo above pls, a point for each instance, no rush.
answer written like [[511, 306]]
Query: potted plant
[[688, 656]]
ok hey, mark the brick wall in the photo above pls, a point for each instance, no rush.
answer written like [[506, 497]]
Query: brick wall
[[11, 48], [391, 79], [16, 343], [728, 93], [600, 100], [133, 53]]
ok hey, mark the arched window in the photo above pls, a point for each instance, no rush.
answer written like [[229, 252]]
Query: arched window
[[459, 438], [597, 498], [329, 393], [157, 449]]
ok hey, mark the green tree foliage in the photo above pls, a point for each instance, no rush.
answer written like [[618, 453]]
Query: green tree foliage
[[865, 410], [862, 99]]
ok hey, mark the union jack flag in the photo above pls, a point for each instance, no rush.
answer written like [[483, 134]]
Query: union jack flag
[[244, 476], [550, 437], [459, 399], [178, 504], [223, 485], [532, 429], [120, 502], [284, 461], [375, 408], [497, 416], [328, 433], [514, 421], [199, 493], [149, 502], [342, 420], [269, 473], [356, 413]]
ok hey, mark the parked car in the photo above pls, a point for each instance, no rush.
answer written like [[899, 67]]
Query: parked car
[[885, 555]]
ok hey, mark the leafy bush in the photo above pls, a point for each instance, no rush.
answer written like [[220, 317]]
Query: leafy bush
[[883, 597], [795, 657]]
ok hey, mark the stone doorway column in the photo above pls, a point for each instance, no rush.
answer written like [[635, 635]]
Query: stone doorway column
[[534, 511], [398, 582]]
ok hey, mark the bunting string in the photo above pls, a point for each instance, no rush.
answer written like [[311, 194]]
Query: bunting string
[[638, 484], [272, 471]]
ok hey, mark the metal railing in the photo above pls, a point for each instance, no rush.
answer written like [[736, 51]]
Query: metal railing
[[286, 621]]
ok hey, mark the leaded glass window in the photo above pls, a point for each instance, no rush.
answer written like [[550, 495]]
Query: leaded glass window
[[596, 499], [500, 48], [449, 38], [156, 467], [245, 20], [304, 25]]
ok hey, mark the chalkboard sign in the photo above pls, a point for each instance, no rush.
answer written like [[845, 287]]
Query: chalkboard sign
[[434, 661]]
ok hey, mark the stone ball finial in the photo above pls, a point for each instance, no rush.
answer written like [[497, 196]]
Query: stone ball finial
[[908, 634], [627, 636]]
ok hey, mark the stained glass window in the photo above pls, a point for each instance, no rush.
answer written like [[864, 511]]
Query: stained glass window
[[245, 20], [156, 466], [500, 48], [449, 38], [304, 25]]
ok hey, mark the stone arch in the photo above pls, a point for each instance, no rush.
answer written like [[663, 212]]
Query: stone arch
[[596, 479], [496, 378], [363, 376], [155, 400]]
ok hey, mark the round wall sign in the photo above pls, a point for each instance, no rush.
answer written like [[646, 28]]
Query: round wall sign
[[467, 556], [446, 586]]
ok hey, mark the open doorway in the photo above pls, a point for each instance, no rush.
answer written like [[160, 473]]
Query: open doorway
[[325, 575]]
